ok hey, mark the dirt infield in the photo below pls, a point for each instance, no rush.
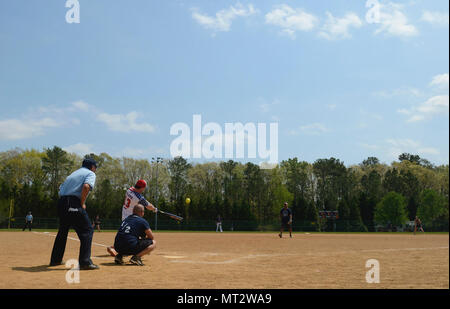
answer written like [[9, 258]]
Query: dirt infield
[[236, 260]]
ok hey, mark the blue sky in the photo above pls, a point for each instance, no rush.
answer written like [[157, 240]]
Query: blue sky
[[338, 83]]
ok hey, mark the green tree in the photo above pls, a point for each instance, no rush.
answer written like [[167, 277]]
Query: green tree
[[370, 195], [391, 209], [56, 165], [298, 182], [409, 157], [331, 182], [178, 169], [431, 206], [371, 161], [254, 186]]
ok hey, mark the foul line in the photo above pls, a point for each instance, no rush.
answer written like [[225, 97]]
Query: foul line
[[68, 237]]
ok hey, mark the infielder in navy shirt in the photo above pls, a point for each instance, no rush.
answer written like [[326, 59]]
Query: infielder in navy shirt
[[134, 238], [286, 220]]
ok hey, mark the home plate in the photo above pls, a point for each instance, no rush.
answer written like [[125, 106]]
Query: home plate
[[174, 256]]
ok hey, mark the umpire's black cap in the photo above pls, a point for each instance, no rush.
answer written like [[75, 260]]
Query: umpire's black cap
[[89, 163]]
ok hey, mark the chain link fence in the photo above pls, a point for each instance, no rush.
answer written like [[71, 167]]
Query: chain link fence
[[237, 225]]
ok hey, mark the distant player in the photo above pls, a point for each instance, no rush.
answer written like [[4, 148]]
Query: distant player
[[97, 223], [286, 220], [219, 224], [133, 197], [418, 225], [28, 221], [134, 238]]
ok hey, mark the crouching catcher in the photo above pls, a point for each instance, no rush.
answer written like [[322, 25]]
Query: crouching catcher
[[134, 238]]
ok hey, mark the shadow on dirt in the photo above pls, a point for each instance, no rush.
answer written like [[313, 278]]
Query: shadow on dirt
[[36, 269], [114, 264]]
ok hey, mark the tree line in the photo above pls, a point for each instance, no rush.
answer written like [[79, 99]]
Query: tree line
[[365, 194]]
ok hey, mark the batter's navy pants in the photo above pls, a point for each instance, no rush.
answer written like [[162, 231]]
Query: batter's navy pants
[[72, 215]]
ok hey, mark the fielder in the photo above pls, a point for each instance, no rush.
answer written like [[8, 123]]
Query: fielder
[[133, 197], [418, 225], [134, 238], [28, 221], [286, 220], [219, 224]]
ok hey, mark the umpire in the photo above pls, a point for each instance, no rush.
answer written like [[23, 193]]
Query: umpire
[[72, 214]]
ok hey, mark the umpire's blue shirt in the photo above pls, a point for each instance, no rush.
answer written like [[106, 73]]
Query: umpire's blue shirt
[[74, 183]]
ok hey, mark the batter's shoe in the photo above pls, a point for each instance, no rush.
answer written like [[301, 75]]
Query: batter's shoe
[[56, 263], [136, 260], [119, 259]]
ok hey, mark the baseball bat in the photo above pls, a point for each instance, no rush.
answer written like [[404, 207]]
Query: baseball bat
[[175, 217]]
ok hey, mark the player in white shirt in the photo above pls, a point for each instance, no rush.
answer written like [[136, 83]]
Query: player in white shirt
[[133, 197]]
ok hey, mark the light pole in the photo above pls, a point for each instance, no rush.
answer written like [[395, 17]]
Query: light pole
[[157, 161]]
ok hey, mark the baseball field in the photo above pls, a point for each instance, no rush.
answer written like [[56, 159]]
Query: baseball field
[[235, 260]]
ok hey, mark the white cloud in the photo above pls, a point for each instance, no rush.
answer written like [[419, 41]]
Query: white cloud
[[37, 120], [435, 18], [428, 151], [416, 118], [406, 143], [437, 105], [403, 91], [79, 148], [15, 129], [393, 21], [134, 152], [331, 107], [338, 28], [369, 146], [81, 106], [223, 19], [398, 146], [125, 123], [311, 129], [291, 20], [267, 107], [404, 111], [138, 153], [441, 81]]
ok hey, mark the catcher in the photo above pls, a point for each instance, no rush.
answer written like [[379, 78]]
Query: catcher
[[134, 238]]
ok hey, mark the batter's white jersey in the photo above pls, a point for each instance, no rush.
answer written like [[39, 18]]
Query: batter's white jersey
[[132, 198]]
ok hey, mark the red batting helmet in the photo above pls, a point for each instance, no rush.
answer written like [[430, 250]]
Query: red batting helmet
[[140, 184]]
